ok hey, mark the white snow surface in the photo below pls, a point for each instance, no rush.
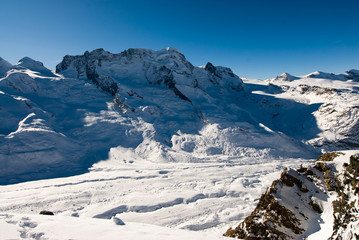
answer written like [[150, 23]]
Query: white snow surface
[[28, 226], [203, 196], [177, 146]]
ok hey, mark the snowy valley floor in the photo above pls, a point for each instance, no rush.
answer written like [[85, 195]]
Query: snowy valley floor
[[209, 196]]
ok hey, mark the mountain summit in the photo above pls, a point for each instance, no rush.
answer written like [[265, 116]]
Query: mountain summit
[[4, 67], [166, 67], [164, 109]]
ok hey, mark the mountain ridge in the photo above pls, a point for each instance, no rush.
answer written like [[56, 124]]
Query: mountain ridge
[[165, 109], [315, 201]]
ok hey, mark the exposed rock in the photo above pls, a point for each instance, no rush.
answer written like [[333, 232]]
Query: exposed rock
[[117, 221], [168, 67], [329, 157], [267, 219], [346, 207], [315, 205], [45, 212], [210, 68], [279, 216], [353, 75], [306, 89]]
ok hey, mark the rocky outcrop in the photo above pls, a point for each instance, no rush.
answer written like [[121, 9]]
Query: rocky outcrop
[[86, 66], [345, 207], [291, 208], [166, 67], [306, 89], [353, 75]]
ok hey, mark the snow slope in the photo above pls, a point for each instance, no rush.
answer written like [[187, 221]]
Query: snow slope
[[4, 67], [147, 137], [335, 100], [155, 102], [198, 196], [21, 226]]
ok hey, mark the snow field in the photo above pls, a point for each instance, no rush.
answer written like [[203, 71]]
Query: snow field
[[209, 196], [28, 226]]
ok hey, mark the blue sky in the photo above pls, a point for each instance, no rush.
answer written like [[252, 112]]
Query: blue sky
[[256, 38]]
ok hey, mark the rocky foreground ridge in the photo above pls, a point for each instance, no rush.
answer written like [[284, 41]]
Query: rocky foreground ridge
[[322, 196]]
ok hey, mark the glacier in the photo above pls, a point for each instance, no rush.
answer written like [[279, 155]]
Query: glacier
[[147, 136], [154, 102]]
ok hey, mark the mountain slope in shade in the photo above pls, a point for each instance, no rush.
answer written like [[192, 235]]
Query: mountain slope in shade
[[4, 67], [337, 106]]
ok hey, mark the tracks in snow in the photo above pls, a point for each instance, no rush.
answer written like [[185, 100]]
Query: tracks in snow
[[194, 196]]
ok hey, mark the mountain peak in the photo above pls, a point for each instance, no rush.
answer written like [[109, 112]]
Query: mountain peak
[[210, 68], [285, 77], [353, 71], [4, 67], [172, 49], [348, 75], [33, 65], [167, 67], [27, 61], [353, 74], [320, 74]]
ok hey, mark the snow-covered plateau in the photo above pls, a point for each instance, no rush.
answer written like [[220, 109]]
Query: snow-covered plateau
[[145, 139]]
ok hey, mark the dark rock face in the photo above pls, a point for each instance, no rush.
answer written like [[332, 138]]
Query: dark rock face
[[158, 67], [305, 89], [273, 215], [345, 207], [45, 212], [280, 216], [210, 68], [353, 75], [86, 65]]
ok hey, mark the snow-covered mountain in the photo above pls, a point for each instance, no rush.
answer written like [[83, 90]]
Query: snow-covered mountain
[[335, 99], [348, 75], [154, 102], [4, 67], [146, 135], [285, 77]]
